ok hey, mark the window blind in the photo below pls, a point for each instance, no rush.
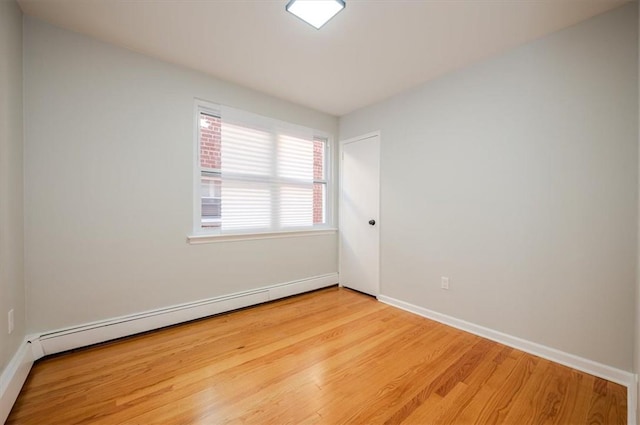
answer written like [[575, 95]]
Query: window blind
[[266, 172]]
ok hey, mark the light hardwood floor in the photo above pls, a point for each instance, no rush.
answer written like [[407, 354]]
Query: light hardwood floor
[[331, 356]]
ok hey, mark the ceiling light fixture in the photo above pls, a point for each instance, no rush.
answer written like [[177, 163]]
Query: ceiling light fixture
[[315, 12]]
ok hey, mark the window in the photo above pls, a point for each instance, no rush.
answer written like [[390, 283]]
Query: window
[[257, 174]]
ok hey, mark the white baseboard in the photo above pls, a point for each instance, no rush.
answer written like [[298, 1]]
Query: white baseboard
[[600, 370], [13, 378], [105, 330]]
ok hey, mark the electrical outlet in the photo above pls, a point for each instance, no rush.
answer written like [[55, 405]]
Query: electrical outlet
[[10, 320], [444, 282]]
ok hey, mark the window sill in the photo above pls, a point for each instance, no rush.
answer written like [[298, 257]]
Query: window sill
[[202, 239]]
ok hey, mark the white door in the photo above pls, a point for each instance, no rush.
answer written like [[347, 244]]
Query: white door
[[359, 210]]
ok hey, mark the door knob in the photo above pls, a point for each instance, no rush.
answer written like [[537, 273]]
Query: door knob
[[372, 222]]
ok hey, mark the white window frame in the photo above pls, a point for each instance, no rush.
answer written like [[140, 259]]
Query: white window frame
[[200, 235]]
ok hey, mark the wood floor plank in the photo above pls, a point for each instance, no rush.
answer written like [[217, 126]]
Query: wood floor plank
[[269, 370], [393, 384], [339, 374], [528, 402], [577, 398], [450, 375], [327, 357], [467, 391], [484, 388], [605, 406]]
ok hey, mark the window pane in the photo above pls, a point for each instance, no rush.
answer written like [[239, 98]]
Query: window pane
[[318, 159], [209, 141], [246, 205], [210, 191], [296, 206], [319, 203], [295, 158], [246, 151]]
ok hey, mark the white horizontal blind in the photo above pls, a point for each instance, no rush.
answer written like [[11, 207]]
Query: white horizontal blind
[[267, 174], [295, 168]]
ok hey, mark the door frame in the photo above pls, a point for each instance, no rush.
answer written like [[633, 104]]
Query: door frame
[[340, 196]]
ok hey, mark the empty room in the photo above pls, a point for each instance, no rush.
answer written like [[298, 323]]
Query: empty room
[[319, 211]]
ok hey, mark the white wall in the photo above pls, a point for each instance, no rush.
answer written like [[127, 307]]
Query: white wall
[[518, 179], [636, 356], [11, 181], [108, 205]]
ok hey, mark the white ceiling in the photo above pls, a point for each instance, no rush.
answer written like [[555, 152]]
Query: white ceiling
[[371, 50]]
